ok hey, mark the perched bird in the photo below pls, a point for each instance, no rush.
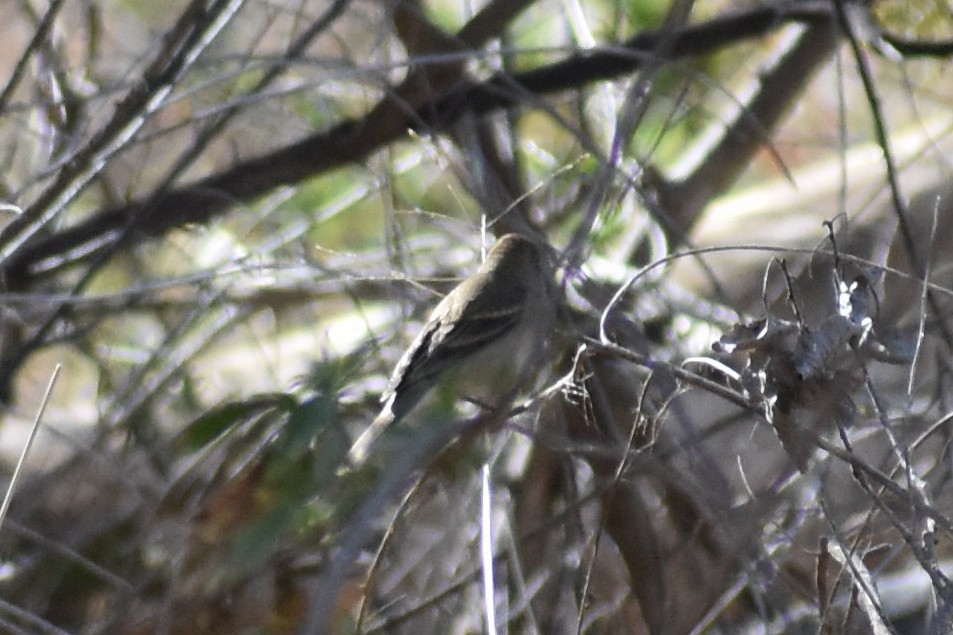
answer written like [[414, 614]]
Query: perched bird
[[484, 335]]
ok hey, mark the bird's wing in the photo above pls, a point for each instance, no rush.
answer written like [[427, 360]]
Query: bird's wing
[[465, 329]]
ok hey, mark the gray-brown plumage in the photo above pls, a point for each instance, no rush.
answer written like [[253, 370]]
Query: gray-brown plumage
[[482, 334]]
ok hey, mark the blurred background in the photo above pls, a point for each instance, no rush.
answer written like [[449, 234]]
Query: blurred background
[[225, 220]]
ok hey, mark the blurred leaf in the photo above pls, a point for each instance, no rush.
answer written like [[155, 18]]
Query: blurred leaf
[[311, 447], [304, 424], [258, 541], [219, 420]]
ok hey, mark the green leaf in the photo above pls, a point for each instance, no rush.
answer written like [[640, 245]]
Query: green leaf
[[214, 423]]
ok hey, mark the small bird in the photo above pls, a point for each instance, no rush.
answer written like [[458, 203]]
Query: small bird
[[485, 334]]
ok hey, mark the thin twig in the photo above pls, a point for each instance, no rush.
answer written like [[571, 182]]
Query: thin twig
[[29, 443]]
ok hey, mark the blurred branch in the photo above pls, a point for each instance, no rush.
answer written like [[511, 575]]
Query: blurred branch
[[39, 37], [353, 140], [778, 90], [192, 33], [294, 50], [611, 62], [919, 48]]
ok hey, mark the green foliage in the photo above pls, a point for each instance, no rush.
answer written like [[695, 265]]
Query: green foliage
[[218, 420]]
